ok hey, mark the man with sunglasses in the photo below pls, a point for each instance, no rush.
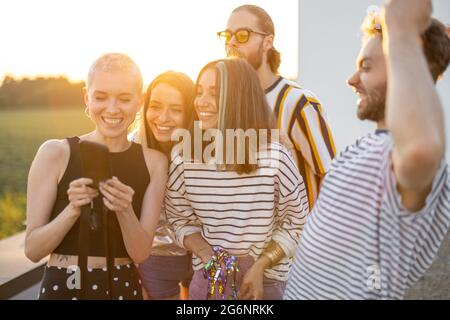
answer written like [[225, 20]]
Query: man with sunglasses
[[249, 35]]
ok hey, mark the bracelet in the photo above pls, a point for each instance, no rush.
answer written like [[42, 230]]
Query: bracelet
[[219, 270], [273, 252]]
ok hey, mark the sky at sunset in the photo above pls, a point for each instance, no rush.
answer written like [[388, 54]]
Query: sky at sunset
[[64, 37]]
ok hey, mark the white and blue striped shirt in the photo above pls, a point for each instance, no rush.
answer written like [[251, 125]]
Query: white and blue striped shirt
[[359, 241]]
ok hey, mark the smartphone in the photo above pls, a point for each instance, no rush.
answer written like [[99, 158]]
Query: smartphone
[[95, 162]]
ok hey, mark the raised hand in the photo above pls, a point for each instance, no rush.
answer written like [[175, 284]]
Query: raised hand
[[412, 16]]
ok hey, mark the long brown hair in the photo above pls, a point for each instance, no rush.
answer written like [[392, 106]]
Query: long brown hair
[[186, 87], [245, 104]]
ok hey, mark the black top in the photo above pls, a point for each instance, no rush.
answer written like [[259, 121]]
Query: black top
[[130, 168]]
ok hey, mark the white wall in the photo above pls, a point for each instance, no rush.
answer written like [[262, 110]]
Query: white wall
[[329, 43]]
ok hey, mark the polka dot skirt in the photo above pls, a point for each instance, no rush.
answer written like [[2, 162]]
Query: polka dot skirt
[[63, 284]]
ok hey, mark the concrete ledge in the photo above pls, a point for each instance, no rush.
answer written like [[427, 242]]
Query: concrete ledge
[[18, 286], [17, 273]]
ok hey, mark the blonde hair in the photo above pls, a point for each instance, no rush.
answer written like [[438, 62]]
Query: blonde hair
[[112, 62]]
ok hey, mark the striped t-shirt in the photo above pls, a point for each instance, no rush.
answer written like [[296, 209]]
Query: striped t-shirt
[[300, 117], [240, 213], [360, 242]]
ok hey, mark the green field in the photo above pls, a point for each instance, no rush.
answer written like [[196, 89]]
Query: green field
[[21, 134]]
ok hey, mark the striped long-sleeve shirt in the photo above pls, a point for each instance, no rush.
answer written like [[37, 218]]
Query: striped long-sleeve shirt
[[240, 213], [359, 241], [300, 117]]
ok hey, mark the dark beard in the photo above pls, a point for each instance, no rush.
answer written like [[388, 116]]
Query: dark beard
[[255, 59], [375, 104]]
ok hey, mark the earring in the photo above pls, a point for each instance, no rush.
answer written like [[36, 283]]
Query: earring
[[87, 112]]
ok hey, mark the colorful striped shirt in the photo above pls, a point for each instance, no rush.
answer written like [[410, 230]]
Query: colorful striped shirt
[[240, 213], [300, 117], [360, 242]]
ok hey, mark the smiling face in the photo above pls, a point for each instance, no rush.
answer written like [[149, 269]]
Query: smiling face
[[113, 99], [370, 80], [205, 100], [165, 112]]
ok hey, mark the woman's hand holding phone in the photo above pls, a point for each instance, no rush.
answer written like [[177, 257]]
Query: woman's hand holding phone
[[96, 165], [117, 196], [80, 194]]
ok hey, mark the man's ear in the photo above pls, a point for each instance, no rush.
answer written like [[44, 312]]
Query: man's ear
[[268, 42]]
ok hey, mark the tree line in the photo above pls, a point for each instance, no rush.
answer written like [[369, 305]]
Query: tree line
[[40, 92]]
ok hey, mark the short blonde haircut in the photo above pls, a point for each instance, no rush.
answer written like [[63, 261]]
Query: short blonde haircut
[[112, 62]]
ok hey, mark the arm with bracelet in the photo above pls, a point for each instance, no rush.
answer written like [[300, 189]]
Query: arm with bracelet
[[274, 253], [252, 286]]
